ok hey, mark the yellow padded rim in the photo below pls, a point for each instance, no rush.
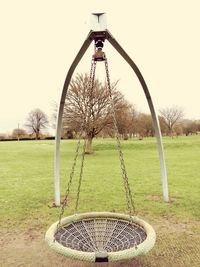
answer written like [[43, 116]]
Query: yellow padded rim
[[141, 249]]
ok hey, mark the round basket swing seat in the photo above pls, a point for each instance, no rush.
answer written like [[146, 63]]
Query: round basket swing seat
[[101, 237]]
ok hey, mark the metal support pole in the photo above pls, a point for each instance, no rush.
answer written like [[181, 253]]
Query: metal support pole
[[121, 51]]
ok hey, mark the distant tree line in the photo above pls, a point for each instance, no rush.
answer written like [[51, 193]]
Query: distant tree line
[[89, 112], [140, 125]]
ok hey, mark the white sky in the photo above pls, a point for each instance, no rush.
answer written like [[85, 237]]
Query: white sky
[[40, 38]]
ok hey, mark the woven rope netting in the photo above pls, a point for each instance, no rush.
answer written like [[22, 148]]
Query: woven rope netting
[[93, 235], [104, 236]]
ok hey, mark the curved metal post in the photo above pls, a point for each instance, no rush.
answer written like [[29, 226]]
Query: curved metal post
[[121, 51], [60, 114]]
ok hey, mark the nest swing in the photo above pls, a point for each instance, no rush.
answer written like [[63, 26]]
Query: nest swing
[[100, 236]]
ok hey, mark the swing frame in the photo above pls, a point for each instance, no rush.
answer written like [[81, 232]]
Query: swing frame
[[99, 31], [58, 236]]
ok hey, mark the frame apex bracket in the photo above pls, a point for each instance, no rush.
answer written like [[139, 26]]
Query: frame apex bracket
[[98, 22]]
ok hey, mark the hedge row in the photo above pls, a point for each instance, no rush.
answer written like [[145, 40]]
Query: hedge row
[[27, 138]]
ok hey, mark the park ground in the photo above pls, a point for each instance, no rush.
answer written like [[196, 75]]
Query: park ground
[[26, 197]]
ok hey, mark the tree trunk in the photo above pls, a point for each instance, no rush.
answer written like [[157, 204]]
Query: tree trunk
[[37, 135], [125, 136], [140, 137], [171, 133], [88, 148]]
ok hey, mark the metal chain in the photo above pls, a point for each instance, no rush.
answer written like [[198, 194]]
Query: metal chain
[[69, 182], [80, 177], [64, 203], [90, 92], [91, 87], [88, 114], [129, 198], [85, 126]]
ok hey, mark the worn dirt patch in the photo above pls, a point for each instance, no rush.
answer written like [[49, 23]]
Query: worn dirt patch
[[159, 198], [177, 245]]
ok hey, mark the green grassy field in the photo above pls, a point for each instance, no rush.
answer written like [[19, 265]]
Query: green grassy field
[[27, 182], [26, 178]]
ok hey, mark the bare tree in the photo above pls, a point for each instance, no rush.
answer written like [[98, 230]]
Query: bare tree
[[163, 126], [190, 127], [126, 119], [144, 125], [125, 122], [36, 121], [172, 117], [19, 133], [90, 109]]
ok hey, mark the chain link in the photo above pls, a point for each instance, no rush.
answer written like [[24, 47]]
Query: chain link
[[84, 126], [64, 203], [90, 94], [80, 177], [88, 114], [129, 198]]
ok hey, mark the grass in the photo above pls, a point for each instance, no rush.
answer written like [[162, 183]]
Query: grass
[[27, 191], [26, 179]]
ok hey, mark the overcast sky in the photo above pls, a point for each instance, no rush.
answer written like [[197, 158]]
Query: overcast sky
[[40, 38]]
